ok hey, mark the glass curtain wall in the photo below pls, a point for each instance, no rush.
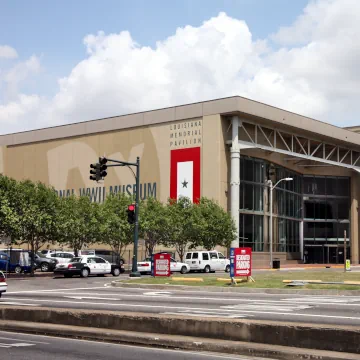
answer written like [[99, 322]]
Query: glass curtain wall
[[326, 216], [286, 206]]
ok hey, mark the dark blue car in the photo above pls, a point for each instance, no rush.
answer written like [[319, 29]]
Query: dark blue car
[[18, 262]]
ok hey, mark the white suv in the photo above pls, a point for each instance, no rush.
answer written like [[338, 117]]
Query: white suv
[[62, 257], [207, 261]]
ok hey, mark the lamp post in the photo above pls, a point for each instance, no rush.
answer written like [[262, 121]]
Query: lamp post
[[345, 245], [272, 187]]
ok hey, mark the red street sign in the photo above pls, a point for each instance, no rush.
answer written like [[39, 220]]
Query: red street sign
[[161, 265], [242, 261]]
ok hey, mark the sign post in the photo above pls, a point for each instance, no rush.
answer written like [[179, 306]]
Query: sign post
[[240, 262], [160, 265]]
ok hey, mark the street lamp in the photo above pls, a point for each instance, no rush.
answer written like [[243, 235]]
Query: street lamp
[[272, 187], [345, 245]]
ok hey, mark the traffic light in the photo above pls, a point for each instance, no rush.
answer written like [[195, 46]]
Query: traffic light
[[131, 214], [95, 173], [103, 166]]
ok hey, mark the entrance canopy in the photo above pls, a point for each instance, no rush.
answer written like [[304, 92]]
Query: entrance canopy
[[297, 147]]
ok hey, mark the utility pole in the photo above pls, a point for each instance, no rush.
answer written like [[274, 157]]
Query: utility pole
[[99, 173]]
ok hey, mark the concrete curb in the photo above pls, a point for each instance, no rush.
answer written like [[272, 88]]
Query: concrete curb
[[317, 337], [179, 342], [121, 283]]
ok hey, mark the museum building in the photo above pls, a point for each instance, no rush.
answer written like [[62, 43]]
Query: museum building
[[290, 182]]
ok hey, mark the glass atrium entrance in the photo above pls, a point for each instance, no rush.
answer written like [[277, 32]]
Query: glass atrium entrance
[[310, 213]]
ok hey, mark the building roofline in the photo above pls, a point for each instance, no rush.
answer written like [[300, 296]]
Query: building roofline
[[223, 106]]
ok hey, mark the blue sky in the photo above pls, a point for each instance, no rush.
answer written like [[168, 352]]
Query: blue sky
[[55, 29], [287, 65]]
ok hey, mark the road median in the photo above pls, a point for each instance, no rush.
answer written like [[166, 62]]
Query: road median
[[305, 336], [174, 341]]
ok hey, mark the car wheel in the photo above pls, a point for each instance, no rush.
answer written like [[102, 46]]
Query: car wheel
[[116, 272], [68, 275], [17, 269], [84, 273], [227, 269], [44, 267], [207, 269], [183, 270]]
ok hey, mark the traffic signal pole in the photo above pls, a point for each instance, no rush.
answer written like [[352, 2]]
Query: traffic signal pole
[[100, 171], [134, 271]]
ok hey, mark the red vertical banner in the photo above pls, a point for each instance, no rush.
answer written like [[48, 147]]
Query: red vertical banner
[[185, 173]]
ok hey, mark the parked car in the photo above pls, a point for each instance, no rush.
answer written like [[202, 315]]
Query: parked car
[[207, 261], [43, 263], [62, 257], [144, 267], [46, 252], [15, 261], [3, 284], [109, 255], [88, 265]]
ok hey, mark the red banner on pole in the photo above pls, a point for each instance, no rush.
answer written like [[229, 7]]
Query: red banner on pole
[[242, 261], [161, 265]]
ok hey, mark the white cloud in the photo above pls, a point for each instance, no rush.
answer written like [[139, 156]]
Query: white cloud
[[7, 52], [313, 71]]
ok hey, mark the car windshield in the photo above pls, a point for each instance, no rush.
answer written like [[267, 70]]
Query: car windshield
[[41, 255], [76, 259]]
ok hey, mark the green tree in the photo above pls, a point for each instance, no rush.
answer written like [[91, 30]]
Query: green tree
[[212, 226], [114, 229], [182, 225], [78, 222], [36, 207], [154, 224], [9, 220]]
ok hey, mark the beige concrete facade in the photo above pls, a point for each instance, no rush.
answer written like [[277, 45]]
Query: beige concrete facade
[[61, 156]]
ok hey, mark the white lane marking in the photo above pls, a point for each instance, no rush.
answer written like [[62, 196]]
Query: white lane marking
[[53, 290], [35, 342], [288, 308], [15, 303], [331, 300], [183, 307], [4, 345], [280, 302], [90, 297], [158, 293], [199, 314]]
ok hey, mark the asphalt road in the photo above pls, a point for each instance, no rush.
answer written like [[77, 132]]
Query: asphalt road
[[95, 293], [35, 347]]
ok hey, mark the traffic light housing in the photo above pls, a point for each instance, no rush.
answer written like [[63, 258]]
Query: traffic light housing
[[98, 170], [95, 172], [103, 167], [131, 213]]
